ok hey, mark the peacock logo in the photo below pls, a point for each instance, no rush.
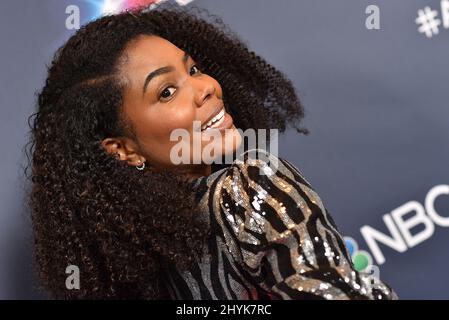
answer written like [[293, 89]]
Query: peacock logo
[[361, 259]]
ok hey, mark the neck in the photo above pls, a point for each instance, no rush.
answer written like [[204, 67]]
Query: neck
[[192, 172]]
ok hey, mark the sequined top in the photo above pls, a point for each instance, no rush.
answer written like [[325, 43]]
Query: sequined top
[[272, 238]]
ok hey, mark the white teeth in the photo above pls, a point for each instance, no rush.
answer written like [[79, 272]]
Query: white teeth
[[218, 117]]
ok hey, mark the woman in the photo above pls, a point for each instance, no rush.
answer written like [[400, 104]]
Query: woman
[[108, 197]]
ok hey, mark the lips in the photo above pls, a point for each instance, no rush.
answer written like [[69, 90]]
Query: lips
[[215, 120]]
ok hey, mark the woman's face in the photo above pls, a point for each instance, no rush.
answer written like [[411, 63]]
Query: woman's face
[[165, 91]]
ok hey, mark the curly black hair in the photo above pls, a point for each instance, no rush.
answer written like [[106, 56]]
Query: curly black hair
[[120, 226]]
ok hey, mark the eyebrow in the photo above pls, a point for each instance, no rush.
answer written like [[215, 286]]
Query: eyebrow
[[161, 71]]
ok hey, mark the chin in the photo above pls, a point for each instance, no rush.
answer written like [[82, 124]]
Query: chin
[[226, 147]]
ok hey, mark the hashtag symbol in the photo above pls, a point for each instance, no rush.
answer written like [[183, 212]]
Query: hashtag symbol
[[428, 22]]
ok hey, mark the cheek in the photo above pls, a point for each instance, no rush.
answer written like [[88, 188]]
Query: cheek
[[162, 121], [156, 126], [175, 118]]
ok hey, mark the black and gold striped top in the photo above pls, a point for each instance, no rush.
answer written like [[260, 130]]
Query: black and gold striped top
[[272, 238]]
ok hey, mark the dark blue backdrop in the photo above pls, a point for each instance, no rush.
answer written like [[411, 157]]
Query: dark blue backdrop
[[377, 107]]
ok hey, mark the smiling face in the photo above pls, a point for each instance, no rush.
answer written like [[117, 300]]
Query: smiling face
[[165, 91]]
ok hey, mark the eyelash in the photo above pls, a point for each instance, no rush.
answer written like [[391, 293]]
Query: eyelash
[[160, 95]]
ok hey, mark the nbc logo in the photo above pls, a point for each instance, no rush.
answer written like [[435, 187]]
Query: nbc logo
[[400, 222]]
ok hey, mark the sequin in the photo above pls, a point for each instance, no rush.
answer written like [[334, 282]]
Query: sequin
[[255, 242]]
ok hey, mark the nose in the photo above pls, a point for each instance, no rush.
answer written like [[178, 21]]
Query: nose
[[206, 90]]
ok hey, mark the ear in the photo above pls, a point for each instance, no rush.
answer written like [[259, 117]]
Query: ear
[[123, 149]]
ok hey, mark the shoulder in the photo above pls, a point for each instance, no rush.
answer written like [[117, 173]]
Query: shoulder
[[259, 182], [260, 171], [257, 201], [264, 194]]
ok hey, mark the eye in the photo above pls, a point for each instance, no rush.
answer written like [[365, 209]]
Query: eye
[[196, 67], [166, 92]]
